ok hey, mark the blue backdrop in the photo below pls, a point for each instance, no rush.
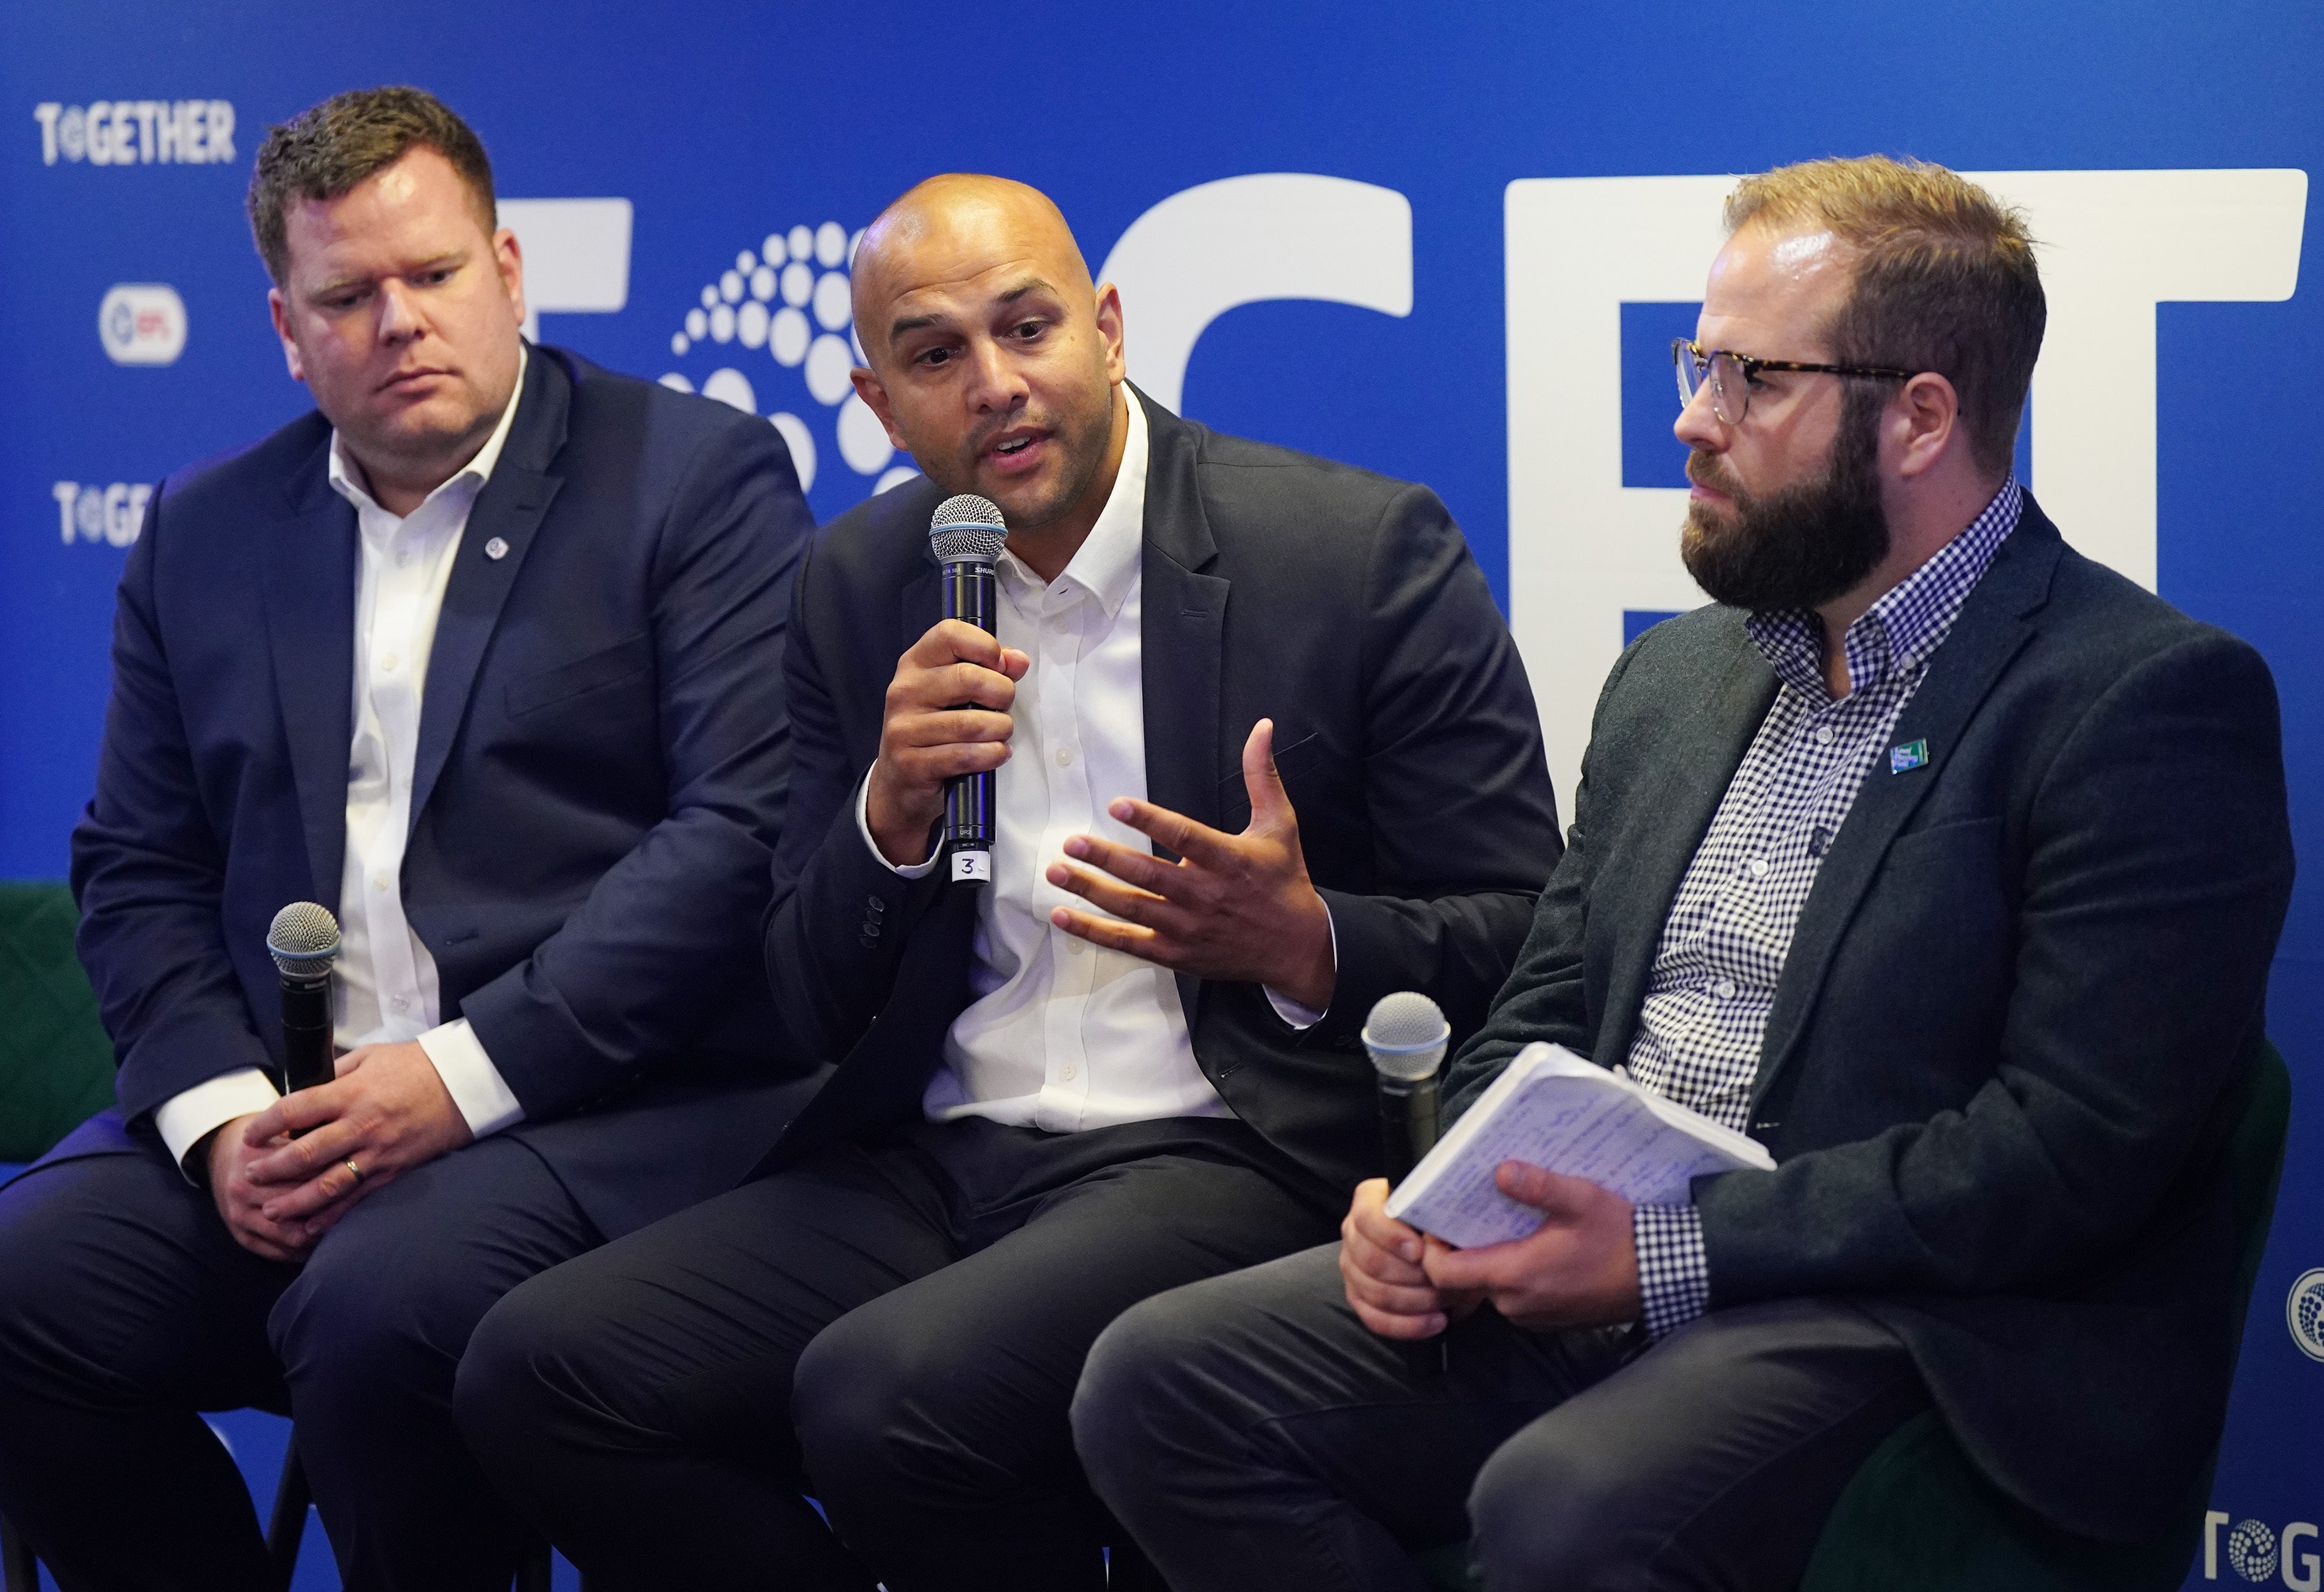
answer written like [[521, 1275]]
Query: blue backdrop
[[1380, 292]]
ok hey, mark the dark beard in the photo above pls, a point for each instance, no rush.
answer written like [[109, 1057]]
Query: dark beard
[[1799, 547]]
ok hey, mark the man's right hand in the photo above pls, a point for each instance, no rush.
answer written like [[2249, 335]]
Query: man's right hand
[[242, 1203], [1380, 1266], [947, 715]]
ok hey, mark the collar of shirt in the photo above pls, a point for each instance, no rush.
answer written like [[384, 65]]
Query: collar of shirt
[[1900, 632], [1107, 558], [347, 478]]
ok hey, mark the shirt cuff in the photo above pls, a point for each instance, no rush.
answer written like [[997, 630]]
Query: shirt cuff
[[1295, 1014], [477, 1087], [864, 828], [191, 1116], [1673, 1272]]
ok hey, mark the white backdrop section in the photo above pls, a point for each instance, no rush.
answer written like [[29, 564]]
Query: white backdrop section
[[1249, 240], [576, 255], [1583, 547]]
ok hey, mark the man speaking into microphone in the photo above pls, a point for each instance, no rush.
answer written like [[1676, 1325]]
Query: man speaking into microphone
[[484, 654], [1262, 752]]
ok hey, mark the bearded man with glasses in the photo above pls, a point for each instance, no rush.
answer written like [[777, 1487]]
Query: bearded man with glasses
[[1935, 857]]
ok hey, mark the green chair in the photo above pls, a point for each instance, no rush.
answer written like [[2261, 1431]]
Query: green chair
[[1918, 1517], [56, 1064]]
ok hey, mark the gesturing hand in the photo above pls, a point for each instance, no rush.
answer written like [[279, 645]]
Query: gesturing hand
[[947, 715], [387, 1110], [1237, 907], [1382, 1266], [1580, 1268], [241, 1202]]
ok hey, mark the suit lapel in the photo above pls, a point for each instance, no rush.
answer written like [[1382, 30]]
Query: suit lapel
[[310, 626], [1995, 624], [1659, 839], [508, 512], [1183, 625]]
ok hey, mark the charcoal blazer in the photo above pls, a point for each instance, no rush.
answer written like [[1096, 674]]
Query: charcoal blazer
[[1341, 604], [600, 775], [2015, 1025]]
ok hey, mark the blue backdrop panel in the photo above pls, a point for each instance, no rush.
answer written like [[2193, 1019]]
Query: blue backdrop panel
[[1377, 294]]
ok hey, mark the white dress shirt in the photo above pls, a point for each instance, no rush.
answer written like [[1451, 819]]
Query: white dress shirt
[[1063, 1034], [385, 990]]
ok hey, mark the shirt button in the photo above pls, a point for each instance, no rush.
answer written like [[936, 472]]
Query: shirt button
[[403, 560], [1823, 735], [389, 662], [1066, 1071], [1758, 868], [379, 881], [1724, 989], [1065, 756], [1073, 944], [398, 1003], [1063, 626]]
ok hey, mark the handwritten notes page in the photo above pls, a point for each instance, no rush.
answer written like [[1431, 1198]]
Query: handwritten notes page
[[1552, 1108]]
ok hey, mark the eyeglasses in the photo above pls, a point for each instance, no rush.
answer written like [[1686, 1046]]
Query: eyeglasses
[[1732, 376]]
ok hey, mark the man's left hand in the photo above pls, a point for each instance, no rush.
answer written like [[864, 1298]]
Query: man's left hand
[[1580, 1268], [386, 1112], [1237, 908]]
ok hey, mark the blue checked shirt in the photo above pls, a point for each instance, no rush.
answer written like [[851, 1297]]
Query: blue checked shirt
[[1730, 925]]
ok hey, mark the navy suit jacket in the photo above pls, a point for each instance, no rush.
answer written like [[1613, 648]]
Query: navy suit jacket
[[1341, 604], [2015, 1029], [600, 776]]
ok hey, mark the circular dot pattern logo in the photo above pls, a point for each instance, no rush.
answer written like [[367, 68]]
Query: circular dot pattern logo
[[2304, 1312], [2251, 1550], [772, 336]]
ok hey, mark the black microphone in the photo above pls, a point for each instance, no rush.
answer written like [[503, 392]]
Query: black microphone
[[304, 942], [966, 534], [1405, 1036]]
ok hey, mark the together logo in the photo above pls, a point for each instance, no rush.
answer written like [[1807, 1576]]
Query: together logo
[[2304, 1312], [142, 323], [787, 304], [136, 132], [92, 511], [2257, 1553]]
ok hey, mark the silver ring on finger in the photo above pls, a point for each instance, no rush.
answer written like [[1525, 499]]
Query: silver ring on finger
[[353, 1171]]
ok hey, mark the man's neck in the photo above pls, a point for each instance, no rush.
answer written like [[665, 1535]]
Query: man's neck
[[1918, 530], [1046, 550], [401, 485]]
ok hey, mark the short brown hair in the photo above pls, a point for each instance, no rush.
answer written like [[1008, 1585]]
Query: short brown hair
[[1944, 279], [327, 148]]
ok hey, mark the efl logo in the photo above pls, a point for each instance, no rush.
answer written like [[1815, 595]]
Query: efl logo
[[142, 323], [137, 131], [94, 512], [2258, 1554], [2303, 1313]]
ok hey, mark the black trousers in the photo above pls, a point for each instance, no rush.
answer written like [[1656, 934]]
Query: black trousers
[[1254, 1435], [125, 1308], [895, 1329]]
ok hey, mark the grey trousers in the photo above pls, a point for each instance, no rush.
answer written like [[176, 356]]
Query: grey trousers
[[1251, 1433]]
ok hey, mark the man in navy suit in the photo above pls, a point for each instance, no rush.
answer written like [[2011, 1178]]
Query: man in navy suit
[[486, 656]]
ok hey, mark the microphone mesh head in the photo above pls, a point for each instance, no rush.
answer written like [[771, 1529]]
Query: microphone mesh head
[[967, 528], [1405, 1034], [303, 940]]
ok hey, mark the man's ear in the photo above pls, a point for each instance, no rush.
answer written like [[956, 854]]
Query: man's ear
[[874, 395], [1925, 415], [508, 258], [1109, 328], [278, 311]]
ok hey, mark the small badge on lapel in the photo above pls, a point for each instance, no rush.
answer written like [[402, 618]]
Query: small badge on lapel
[[1903, 758], [496, 549]]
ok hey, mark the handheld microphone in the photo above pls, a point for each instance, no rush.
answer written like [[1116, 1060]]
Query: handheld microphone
[[304, 942], [1405, 1036], [966, 534]]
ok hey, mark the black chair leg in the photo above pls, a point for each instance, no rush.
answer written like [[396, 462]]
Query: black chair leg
[[292, 1496], [19, 1570]]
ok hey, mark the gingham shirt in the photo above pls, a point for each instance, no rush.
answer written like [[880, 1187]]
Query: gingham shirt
[[1730, 925]]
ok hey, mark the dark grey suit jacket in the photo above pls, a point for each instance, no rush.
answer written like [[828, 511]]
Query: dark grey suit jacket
[[2011, 1034], [1344, 605]]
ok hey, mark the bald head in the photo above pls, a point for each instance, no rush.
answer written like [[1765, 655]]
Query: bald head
[[950, 229]]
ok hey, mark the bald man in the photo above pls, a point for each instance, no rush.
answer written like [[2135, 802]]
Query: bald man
[[1264, 753]]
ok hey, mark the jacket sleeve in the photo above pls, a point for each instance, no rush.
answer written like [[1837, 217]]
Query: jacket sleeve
[[2158, 869], [668, 930], [1462, 819], [835, 931], [149, 871]]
